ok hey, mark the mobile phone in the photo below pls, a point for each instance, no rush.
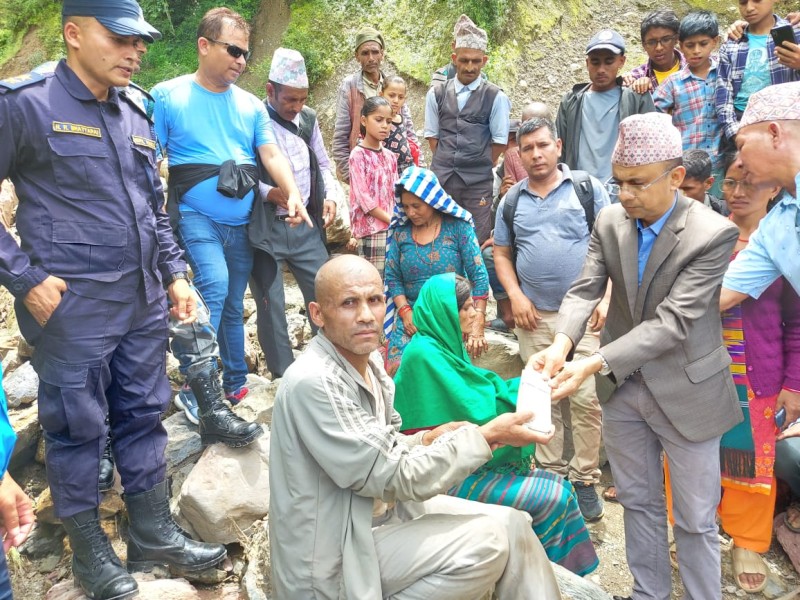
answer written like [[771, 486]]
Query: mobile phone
[[780, 418], [783, 33]]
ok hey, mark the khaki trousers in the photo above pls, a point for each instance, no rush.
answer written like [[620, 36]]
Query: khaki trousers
[[584, 409], [449, 548]]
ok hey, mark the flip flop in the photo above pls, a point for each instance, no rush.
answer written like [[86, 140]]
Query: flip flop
[[673, 555], [610, 494], [792, 517], [497, 325], [747, 561]]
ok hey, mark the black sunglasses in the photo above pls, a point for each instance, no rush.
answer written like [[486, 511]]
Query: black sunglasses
[[233, 49]]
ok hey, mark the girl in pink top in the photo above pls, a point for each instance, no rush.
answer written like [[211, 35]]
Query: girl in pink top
[[373, 172]]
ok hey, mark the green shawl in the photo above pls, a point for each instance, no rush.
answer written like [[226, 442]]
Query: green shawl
[[437, 383]]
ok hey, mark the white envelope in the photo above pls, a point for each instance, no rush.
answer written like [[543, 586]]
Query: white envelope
[[534, 396]]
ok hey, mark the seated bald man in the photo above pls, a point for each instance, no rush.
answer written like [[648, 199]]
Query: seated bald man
[[354, 505]]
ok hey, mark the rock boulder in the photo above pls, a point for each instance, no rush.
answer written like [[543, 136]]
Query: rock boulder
[[21, 385], [234, 478]]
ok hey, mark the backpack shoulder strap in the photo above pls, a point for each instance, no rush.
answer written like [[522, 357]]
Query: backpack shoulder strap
[[509, 210], [585, 192]]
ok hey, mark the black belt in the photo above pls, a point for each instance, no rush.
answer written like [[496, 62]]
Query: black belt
[[282, 217]]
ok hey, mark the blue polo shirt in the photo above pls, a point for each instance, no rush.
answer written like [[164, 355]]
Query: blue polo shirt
[[647, 237], [774, 250], [552, 238], [199, 126]]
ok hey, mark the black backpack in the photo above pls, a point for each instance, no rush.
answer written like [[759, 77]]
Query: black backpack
[[583, 189]]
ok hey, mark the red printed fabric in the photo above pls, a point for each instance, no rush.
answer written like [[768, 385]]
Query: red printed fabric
[[372, 177]]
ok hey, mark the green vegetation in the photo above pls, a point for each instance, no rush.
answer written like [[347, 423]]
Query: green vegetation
[[174, 55], [417, 34], [16, 20]]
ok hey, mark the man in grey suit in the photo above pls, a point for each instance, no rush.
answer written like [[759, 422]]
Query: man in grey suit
[[662, 370]]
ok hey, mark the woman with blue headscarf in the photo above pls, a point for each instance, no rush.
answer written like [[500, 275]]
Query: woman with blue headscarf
[[429, 234]]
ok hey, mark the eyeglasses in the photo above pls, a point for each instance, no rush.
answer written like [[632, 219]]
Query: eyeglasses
[[664, 41], [615, 189], [730, 185], [233, 49]]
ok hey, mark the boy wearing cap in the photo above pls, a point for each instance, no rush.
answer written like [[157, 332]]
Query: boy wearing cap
[[301, 248], [366, 83], [89, 278], [589, 115], [662, 371], [466, 125]]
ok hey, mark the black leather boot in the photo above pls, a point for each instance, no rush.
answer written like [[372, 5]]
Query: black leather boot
[[106, 479], [218, 423], [96, 568], [154, 538]]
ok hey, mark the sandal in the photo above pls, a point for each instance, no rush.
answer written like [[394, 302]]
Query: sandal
[[747, 561], [792, 517], [673, 555], [610, 493]]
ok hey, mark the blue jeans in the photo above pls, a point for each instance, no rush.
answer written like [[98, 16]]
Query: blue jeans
[[221, 259], [5, 582], [787, 463], [497, 287]]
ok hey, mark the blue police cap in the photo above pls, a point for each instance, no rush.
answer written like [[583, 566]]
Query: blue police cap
[[123, 17]]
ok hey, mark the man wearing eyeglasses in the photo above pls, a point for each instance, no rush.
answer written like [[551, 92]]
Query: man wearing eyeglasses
[[662, 372], [214, 134], [659, 31]]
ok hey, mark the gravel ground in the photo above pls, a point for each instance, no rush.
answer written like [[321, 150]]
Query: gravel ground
[[613, 576]]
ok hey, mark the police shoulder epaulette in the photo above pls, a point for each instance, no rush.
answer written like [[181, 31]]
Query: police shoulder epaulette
[[140, 99], [21, 81], [139, 89]]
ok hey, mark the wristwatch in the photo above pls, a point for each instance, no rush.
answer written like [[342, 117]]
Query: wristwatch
[[173, 277], [605, 369]]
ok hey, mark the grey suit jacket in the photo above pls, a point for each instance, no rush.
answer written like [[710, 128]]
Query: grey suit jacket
[[669, 327]]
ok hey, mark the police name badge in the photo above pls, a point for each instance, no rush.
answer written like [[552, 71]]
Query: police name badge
[[61, 127], [143, 141]]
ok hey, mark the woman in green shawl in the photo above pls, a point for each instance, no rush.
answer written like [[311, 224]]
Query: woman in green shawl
[[437, 383]]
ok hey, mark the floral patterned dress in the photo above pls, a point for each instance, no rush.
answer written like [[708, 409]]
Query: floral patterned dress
[[409, 266]]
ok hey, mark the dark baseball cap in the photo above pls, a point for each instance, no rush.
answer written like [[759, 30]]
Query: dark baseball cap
[[123, 17], [606, 39]]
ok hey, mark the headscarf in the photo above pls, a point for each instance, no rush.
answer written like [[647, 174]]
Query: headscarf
[[437, 383], [425, 186]]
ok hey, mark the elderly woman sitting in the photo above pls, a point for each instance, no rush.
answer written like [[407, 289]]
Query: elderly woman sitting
[[436, 383], [429, 234]]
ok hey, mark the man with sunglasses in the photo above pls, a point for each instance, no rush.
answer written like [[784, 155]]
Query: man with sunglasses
[[89, 277], [662, 372], [215, 135]]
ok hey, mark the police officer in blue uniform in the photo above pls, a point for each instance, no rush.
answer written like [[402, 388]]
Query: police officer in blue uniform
[[96, 253]]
